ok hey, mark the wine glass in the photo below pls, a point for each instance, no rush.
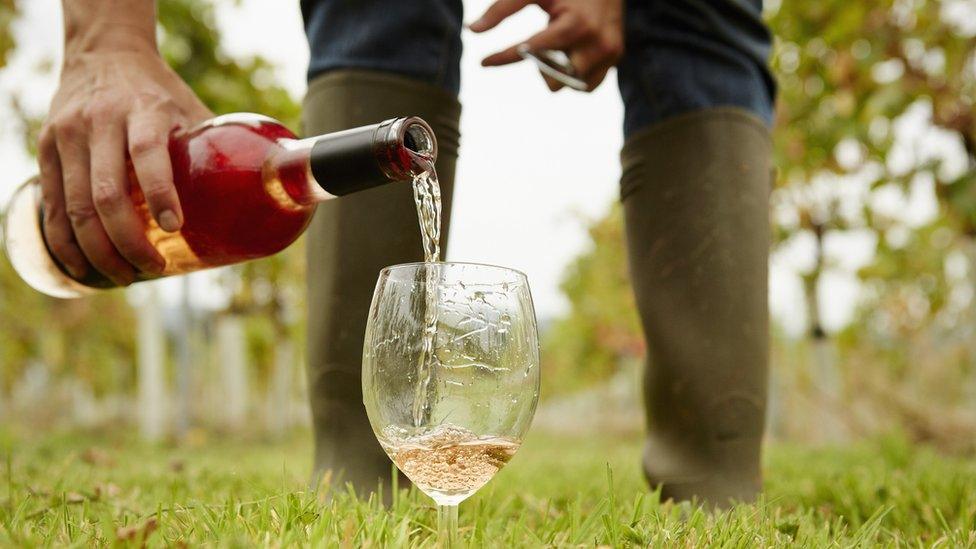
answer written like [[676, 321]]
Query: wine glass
[[450, 375]]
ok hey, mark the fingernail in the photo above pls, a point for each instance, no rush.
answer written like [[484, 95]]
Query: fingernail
[[125, 280], [168, 221], [476, 26], [75, 272]]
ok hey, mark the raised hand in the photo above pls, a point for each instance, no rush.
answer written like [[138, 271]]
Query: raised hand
[[589, 31]]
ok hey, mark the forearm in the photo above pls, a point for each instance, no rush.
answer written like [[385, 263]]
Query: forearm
[[119, 25]]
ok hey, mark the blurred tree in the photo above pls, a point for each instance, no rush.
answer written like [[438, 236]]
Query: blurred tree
[[8, 12], [848, 72], [884, 92], [601, 330]]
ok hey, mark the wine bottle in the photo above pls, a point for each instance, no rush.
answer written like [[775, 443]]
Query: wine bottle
[[248, 188]]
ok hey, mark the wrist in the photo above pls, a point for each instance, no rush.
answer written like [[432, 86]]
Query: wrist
[[109, 25], [114, 42]]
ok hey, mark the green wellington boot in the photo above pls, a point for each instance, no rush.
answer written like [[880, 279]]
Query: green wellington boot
[[695, 190], [349, 241]]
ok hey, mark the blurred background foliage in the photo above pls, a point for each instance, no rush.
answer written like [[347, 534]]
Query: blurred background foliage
[[876, 104]]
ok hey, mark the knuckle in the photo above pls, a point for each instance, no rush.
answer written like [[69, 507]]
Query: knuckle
[[101, 109], [611, 47], [573, 27], [145, 142], [80, 213], [568, 33], [53, 209], [143, 101], [106, 196], [92, 111], [148, 101], [45, 138], [69, 126], [585, 26], [159, 192]]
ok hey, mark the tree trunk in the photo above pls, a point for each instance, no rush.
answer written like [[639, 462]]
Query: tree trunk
[[184, 363], [825, 377], [971, 276], [232, 356], [279, 387], [151, 357]]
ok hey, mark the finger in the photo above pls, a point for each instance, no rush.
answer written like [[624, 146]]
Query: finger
[[594, 58], [85, 223], [596, 79], [591, 64], [496, 13], [559, 35], [110, 195], [57, 229], [553, 84], [149, 149]]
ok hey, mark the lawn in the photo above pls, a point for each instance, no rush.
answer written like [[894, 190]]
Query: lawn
[[102, 490]]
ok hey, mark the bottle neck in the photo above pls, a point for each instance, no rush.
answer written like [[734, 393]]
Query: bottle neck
[[321, 168]]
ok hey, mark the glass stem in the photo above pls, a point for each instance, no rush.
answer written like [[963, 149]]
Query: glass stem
[[447, 525]]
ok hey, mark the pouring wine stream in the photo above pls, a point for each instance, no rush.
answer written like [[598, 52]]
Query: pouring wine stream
[[453, 414], [427, 197]]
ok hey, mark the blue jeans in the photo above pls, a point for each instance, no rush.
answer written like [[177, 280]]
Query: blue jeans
[[681, 55]]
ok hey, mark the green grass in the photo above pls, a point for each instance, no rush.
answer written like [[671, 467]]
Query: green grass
[[556, 492]]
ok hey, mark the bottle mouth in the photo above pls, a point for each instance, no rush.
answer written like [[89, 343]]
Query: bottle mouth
[[419, 139], [416, 136], [405, 147]]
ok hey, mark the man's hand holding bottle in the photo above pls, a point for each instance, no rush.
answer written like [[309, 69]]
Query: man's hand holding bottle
[[117, 96]]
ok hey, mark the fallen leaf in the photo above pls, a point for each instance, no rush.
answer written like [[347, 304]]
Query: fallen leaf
[[95, 456], [137, 531], [74, 497], [109, 490], [196, 438]]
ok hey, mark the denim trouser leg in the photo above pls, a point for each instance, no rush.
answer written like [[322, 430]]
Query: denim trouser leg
[[689, 55], [419, 39], [681, 55]]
